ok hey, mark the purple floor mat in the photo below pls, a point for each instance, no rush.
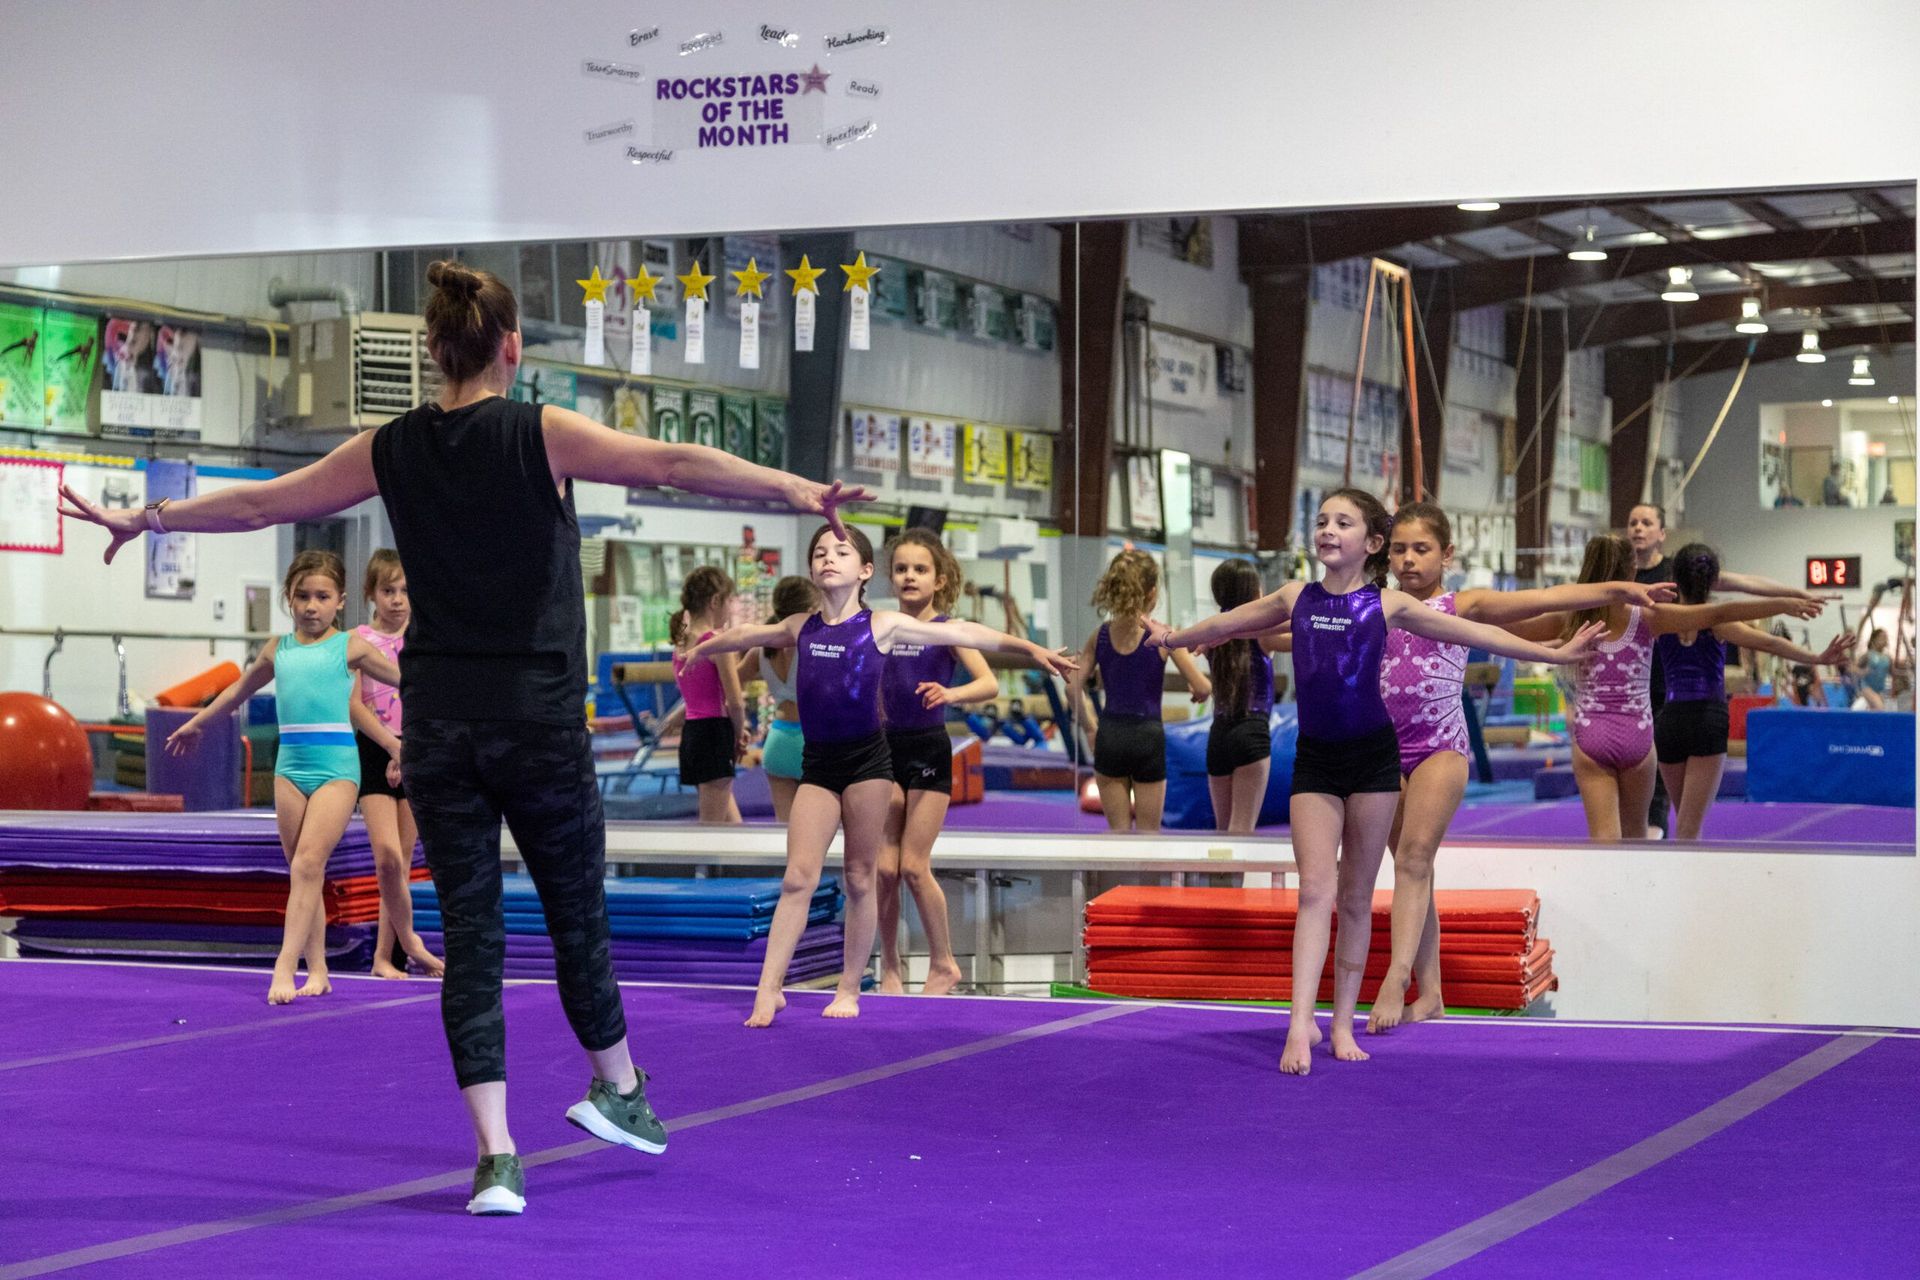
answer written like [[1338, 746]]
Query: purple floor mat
[[1157, 1141], [221, 843]]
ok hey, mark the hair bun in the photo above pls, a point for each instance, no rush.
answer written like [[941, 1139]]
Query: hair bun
[[454, 277]]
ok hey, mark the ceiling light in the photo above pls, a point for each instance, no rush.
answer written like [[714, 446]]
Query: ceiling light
[[1810, 352], [1862, 373], [1477, 206], [1750, 321], [1893, 399], [1585, 248], [1824, 404], [1679, 286]]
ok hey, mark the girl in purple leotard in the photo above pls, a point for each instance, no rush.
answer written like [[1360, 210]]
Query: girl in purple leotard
[[1612, 716], [846, 775], [1346, 773], [926, 581]]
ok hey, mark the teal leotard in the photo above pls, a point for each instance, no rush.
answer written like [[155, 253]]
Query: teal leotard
[[313, 688]]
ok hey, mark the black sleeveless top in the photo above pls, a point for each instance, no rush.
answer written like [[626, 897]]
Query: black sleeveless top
[[492, 558]]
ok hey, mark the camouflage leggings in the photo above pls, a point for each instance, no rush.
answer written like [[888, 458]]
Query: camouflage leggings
[[463, 777]]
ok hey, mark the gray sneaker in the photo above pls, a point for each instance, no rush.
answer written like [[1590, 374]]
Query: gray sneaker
[[626, 1120], [499, 1186]]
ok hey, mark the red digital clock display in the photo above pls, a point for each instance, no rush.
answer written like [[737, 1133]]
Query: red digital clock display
[[1833, 573]]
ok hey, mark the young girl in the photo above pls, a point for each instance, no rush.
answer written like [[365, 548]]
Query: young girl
[[926, 582], [1129, 740], [1612, 717], [1874, 670], [1690, 728], [1420, 682], [1346, 770], [781, 750], [317, 771], [715, 730], [1240, 739], [847, 773], [375, 712]]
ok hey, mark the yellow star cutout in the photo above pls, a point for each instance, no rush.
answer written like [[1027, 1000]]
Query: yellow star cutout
[[751, 279], [804, 277], [596, 287], [643, 284], [859, 275], [695, 281]]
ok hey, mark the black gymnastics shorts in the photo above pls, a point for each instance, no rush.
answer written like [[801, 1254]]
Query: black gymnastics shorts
[[706, 750], [1348, 767], [1682, 730], [838, 765], [1233, 743], [1131, 747], [373, 769], [922, 759]]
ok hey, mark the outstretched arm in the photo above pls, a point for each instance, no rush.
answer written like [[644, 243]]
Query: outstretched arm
[[1250, 619], [340, 480], [1502, 608], [1409, 614], [1746, 637], [771, 635], [578, 448], [1666, 619], [257, 677], [1752, 584], [894, 628]]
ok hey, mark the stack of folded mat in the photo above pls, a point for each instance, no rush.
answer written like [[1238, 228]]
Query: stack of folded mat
[[1205, 943], [172, 886], [668, 930]]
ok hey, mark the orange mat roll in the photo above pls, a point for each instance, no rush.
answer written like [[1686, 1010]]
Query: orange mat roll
[[199, 690]]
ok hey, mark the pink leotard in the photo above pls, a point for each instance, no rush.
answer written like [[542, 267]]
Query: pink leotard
[[382, 699], [1420, 681], [700, 685], [1612, 717]]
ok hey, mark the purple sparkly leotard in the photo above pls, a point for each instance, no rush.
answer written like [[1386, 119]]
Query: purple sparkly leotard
[[1612, 718], [1133, 681], [908, 667], [1420, 681], [839, 673], [1695, 672], [1260, 683], [1338, 644]]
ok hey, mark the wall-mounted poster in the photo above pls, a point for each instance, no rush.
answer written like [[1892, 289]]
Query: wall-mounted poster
[[631, 410], [985, 456], [1189, 240], [1179, 370], [170, 559], [736, 426], [1036, 323], [670, 415], [150, 383], [703, 418], [930, 448], [69, 364], [891, 296], [770, 433], [764, 252], [874, 441], [22, 389], [545, 386], [1032, 462], [1143, 492], [30, 505], [936, 299]]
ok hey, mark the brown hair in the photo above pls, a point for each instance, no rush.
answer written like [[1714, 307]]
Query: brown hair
[[1658, 512], [792, 594], [383, 566], [1609, 558], [856, 539], [703, 586], [1431, 515], [308, 563], [1127, 588], [1235, 582], [945, 567], [469, 315], [1379, 525]]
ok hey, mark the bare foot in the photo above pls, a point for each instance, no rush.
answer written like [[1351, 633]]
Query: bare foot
[[1344, 1047], [1427, 1008], [1389, 1007], [890, 984], [764, 1007], [1297, 1058], [317, 984], [281, 992], [417, 952], [844, 1005], [942, 980], [387, 969]]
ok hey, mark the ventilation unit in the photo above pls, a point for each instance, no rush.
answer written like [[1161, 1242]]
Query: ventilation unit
[[353, 372]]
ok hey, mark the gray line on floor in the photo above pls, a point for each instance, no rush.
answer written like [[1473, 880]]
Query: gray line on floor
[[1522, 1215], [461, 1177]]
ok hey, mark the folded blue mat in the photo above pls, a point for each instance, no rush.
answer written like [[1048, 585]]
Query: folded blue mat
[[817, 937]]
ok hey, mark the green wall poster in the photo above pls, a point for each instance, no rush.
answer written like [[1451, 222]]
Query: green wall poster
[[670, 415], [70, 369], [22, 401], [770, 433], [703, 418], [736, 426]]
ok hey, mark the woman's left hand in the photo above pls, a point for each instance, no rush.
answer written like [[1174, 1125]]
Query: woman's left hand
[[124, 525]]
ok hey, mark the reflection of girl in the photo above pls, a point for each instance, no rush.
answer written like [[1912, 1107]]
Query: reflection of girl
[[1873, 670], [176, 361], [1239, 741], [715, 726], [784, 744], [127, 346]]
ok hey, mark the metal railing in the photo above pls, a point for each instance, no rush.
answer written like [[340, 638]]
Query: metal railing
[[60, 636]]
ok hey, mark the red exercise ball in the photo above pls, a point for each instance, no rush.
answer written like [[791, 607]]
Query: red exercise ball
[[45, 762]]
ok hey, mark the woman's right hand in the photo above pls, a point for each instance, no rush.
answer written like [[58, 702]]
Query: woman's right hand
[[184, 739], [124, 525]]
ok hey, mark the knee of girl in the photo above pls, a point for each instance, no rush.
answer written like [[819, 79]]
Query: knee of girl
[[858, 881], [1413, 860], [888, 878], [918, 879], [1316, 901], [797, 882]]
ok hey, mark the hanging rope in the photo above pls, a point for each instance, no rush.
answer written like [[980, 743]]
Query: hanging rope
[[1714, 432]]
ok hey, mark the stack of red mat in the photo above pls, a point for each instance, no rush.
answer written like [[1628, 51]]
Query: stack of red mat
[[174, 897], [1202, 943]]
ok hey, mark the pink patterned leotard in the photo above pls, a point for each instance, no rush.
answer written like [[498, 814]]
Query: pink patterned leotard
[[1612, 716], [1420, 681], [382, 699]]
